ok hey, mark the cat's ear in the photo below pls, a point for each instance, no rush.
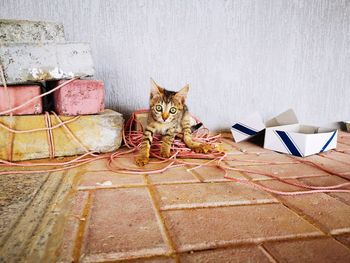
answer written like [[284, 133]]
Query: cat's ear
[[182, 93], [156, 90]]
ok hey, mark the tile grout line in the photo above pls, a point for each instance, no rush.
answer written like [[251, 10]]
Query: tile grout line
[[304, 217], [112, 187], [296, 211], [330, 194], [79, 239], [340, 199], [248, 242], [203, 206], [214, 181], [195, 175], [288, 178], [333, 159], [160, 219], [267, 253], [244, 151], [336, 240], [299, 213]]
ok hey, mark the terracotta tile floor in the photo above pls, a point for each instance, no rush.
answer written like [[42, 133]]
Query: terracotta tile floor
[[182, 214], [199, 216]]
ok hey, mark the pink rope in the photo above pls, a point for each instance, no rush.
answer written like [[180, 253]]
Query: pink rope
[[132, 140]]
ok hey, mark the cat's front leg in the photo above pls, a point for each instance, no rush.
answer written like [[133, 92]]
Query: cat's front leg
[[187, 137], [167, 141], [143, 157]]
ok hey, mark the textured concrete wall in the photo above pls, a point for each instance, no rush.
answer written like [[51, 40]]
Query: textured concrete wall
[[238, 56]]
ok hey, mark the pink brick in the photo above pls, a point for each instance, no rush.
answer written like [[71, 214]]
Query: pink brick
[[19, 95], [79, 97]]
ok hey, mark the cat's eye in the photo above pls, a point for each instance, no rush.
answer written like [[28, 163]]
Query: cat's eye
[[172, 110], [159, 108]]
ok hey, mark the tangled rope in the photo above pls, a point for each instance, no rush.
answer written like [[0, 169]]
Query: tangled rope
[[132, 139], [217, 158]]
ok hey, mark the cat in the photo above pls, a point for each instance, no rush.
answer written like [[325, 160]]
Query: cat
[[168, 116]]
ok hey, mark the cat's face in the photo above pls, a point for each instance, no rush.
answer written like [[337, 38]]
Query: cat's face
[[166, 106]]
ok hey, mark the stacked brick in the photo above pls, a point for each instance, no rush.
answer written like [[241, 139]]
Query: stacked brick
[[35, 58]]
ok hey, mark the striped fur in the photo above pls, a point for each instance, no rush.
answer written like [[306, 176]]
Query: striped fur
[[169, 116]]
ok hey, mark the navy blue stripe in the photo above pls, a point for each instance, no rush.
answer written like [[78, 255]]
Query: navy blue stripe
[[328, 142], [244, 129], [288, 143]]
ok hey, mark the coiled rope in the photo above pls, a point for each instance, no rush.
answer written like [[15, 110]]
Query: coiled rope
[[132, 139]]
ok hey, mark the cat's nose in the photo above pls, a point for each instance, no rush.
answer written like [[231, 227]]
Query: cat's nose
[[165, 115]]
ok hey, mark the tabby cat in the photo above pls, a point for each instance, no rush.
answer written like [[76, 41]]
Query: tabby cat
[[169, 117]]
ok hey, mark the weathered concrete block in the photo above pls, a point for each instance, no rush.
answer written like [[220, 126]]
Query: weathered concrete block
[[32, 62], [79, 97], [19, 95], [24, 31], [100, 133]]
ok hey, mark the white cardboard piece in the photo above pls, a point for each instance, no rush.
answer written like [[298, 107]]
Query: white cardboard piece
[[300, 140], [248, 127]]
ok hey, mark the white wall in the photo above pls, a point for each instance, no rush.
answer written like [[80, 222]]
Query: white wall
[[238, 56]]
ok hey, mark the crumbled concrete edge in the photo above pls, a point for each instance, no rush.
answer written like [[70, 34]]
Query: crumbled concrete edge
[[26, 63]]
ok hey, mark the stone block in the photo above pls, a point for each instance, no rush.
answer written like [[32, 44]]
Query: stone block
[[24, 31], [99, 133], [18, 95], [25, 62], [79, 97]]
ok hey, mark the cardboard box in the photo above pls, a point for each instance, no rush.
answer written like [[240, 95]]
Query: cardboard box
[[300, 140], [250, 126]]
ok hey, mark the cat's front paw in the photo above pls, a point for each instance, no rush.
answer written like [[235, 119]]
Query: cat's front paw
[[141, 160], [203, 148]]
